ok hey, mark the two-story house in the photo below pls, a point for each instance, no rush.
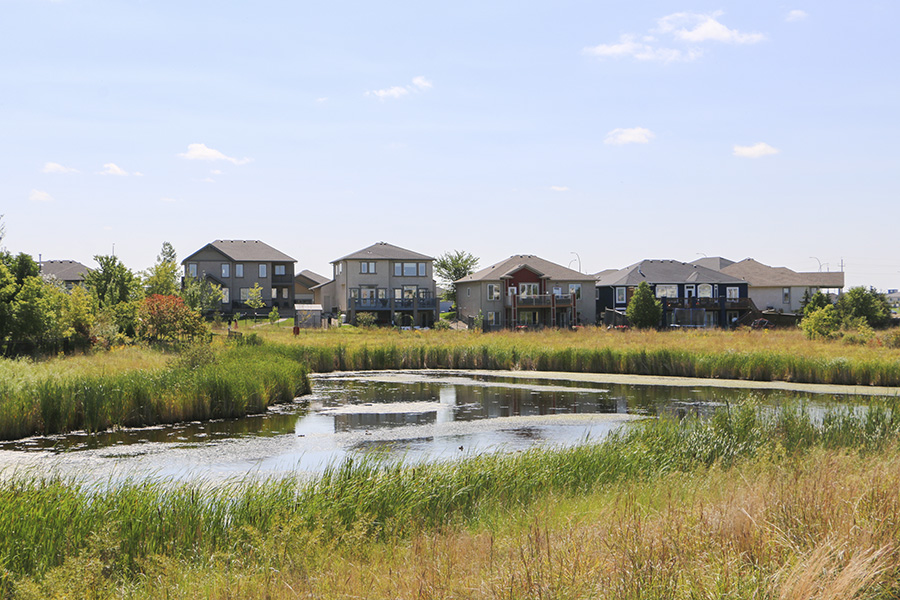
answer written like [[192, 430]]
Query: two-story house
[[781, 289], [526, 291], [237, 265], [691, 295], [393, 283], [69, 272]]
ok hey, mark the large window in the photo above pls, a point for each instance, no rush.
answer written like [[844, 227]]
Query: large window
[[239, 270], [262, 271], [575, 288], [279, 269], [409, 269], [732, 293], [226, 270], [666, 291], [620, 295], [528, 317], [704, 290], [367, 267], [528, 289], [192, 269], [493, 291]]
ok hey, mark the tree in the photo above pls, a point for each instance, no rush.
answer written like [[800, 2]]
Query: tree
[[821, 323], [815, 302], [112, 282], [644, 310], [453, 266], [162, 277], [202, 296], [168, 318], [254, 297], [869, 304]]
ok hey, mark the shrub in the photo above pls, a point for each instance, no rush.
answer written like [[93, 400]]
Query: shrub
[[442, 324], [858, 332], [644, 311], [821, 324], [892, 339], [366, 320]]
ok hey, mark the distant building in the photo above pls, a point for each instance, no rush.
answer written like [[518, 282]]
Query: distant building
[[781, 289], [69, 272], [304, 282]]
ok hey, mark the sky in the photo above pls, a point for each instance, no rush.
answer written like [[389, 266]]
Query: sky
[[591, 133]]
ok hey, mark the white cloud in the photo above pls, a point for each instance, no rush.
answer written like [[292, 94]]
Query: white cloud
[[755, 151], [52, 167], [203, 152], [677, 28], [635, 135], [113, 169], [419, 84], [208, 180], [216, 171], [698, 27], [559, 188], [138, 174], [322, 99], [796, 15], [39, 196]]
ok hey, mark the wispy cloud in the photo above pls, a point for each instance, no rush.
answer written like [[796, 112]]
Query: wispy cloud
[[634, 135], [796, 15], [168, 200], [203, 152], [677, 28], [755, 151], [322, 99], [113, 169], [419, 84], [39, 196], [52, 167], [559, 188]]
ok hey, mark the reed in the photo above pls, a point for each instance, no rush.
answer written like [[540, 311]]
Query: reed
[[364, 503]]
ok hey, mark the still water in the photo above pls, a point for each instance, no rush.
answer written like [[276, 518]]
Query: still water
[[405, 415]]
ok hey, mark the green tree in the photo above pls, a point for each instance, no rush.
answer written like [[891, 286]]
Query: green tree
[[8, 290], [254, 297], [274, 315], [644, 310], [821, 323], [22, 266], [201, 295], [162, 277], [31, 318], [815, 302], [453, 266], [112, 282], [869, 304]]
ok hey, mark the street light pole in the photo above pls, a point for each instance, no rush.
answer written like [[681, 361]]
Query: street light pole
[[579, 260]]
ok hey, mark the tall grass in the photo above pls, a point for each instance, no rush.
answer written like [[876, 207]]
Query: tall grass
[[235, 382], [44, 521]]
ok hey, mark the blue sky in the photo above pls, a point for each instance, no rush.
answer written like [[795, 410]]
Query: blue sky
[[608, 130]]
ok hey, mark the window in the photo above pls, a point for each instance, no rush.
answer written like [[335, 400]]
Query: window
[[557, 290], [367, 267], [354, 293], [732, 293], [786, 295], [284, 293], [226, 270], [262, 271], [493, 291], [575, 288], [493, 318], [620, 295], [192, 269], [274, 293], [279, 270], [468, 292], [398, 269], [398, 294], [239, 270], [704, 290], [226, 296], [666, 291], [409, 291], [528, 289], [421, 269], [245, 294], [528, 317], [409, 269]]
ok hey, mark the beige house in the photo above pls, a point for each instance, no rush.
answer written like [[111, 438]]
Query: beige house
[[394, 284], [780, 288], [527, 291], [237, 265], [304, 282]]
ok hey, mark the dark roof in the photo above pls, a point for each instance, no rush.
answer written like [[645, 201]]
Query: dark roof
[[64, 270], [759, 275], [384, 251], [544, 268], [312, 277], [246, 250], [716, 263], [663, 272]]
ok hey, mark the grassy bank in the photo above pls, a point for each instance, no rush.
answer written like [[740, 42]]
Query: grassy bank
[[750, 355], [733, 504], [138, 387]]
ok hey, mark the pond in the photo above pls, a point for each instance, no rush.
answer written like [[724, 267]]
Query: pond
[[415, 415]]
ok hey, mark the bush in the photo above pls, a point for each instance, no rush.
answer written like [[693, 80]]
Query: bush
[[366, 320], [891, 339], [858, 332], [822, 324], [644, 311], [442, 324]]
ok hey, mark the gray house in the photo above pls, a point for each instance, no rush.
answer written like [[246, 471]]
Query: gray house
[[236, 265], [393, 283], [69, 272]]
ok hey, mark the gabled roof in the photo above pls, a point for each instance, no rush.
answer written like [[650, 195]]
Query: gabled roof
[[64, 270], [384, 251], [245, 250], [716, 263], [312, 277], [663, 272], [760, 275], [543, 268]]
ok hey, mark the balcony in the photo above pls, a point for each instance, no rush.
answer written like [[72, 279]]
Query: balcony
[[282, 279], [707, 303], [370, 304], [540, 300]]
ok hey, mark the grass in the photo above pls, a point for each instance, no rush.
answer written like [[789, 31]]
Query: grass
[[746, 504]]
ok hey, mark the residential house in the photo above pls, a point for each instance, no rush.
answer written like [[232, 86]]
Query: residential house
[[237, 265], [526, 291], [779, 288], [69, 272], [691, 295], [393, 283], [304, 282]]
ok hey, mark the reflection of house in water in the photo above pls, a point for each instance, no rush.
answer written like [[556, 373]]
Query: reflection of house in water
[[354, 421]]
